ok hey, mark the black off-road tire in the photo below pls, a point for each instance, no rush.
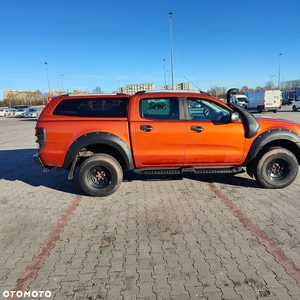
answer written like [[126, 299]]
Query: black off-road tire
[[277, 168], [100, 175]]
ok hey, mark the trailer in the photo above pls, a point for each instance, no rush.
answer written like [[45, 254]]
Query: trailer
[[297, 93]]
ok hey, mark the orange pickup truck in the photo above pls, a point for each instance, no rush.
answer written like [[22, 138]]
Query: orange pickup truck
[[163, 132]]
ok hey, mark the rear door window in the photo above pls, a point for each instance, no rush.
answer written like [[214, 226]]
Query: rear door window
[[159, 108]]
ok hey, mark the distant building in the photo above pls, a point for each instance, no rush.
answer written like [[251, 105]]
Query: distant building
[[183, 86], [179, 86], [56, 92], [81, 92], [19, 97], [133, 88]]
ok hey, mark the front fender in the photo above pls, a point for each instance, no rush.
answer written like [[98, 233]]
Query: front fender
[[275, 137], [104, 138]]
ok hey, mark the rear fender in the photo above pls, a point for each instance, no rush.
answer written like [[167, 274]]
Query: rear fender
[[104, 138]]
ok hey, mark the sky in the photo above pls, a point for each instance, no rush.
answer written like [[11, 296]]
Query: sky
[[110, 44]]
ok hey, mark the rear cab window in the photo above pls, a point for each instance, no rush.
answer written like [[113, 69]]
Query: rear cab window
[[92, 107]]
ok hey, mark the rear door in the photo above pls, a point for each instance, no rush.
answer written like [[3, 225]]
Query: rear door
[[211, 139], [158, 133], [273, 99]]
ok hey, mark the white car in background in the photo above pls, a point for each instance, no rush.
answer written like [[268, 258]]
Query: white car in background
[[32, 113], [19, 112], [11, 111], [296, 105], [3, 113]]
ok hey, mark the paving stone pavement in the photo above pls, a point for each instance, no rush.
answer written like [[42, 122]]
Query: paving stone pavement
[[179, 237]]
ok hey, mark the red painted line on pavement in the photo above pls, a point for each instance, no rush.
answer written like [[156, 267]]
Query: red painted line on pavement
[[289, 265], [37, 263]]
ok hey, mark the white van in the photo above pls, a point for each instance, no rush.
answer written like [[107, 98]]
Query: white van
[[241, 100], [269, 100]]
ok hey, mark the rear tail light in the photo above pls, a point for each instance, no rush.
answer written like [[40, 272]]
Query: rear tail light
[[40, 134]]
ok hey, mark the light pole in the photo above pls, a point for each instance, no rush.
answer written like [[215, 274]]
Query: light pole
[[171, 46], [168, 84], [48, 78], [9, 99], [165, 73], [62, 84], [8, 96], [272, 78], [279, 71]]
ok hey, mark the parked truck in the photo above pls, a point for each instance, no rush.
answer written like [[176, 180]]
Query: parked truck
[[289, 96], [269, 100], [102, 136]]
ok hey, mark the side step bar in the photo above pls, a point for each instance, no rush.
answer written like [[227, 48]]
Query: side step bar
[[196, 170]]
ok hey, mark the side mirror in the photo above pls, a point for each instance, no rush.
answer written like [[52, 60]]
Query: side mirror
[[235, 117]]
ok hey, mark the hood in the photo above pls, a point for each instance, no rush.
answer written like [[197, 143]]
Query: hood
[[278, 123], [268, 120]]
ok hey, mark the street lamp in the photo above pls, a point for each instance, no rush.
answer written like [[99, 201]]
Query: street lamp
[[279, 71], [171, 46], [165, 73], [168, 73], [62, 84], [8, 96], [272, 78], [48, 78]]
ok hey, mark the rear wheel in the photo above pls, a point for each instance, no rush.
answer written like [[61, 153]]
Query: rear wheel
[[294, 108], [277, 168], [100, 175]]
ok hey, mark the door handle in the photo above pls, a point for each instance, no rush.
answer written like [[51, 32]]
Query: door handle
[[146, 128], [197, 129]]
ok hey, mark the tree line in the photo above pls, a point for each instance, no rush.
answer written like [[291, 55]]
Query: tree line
[[38, 98], [220, 92]]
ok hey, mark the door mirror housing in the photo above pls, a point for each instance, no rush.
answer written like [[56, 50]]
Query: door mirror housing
[[235, 117]]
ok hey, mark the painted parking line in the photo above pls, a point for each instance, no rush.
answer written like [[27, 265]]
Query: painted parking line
[[37, 263], [278, 254]]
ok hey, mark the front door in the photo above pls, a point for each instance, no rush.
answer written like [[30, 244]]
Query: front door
[[211, 139]]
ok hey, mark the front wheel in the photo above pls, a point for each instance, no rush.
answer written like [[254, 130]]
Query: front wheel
[[277, 168], [294, 108], [100, 175]]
